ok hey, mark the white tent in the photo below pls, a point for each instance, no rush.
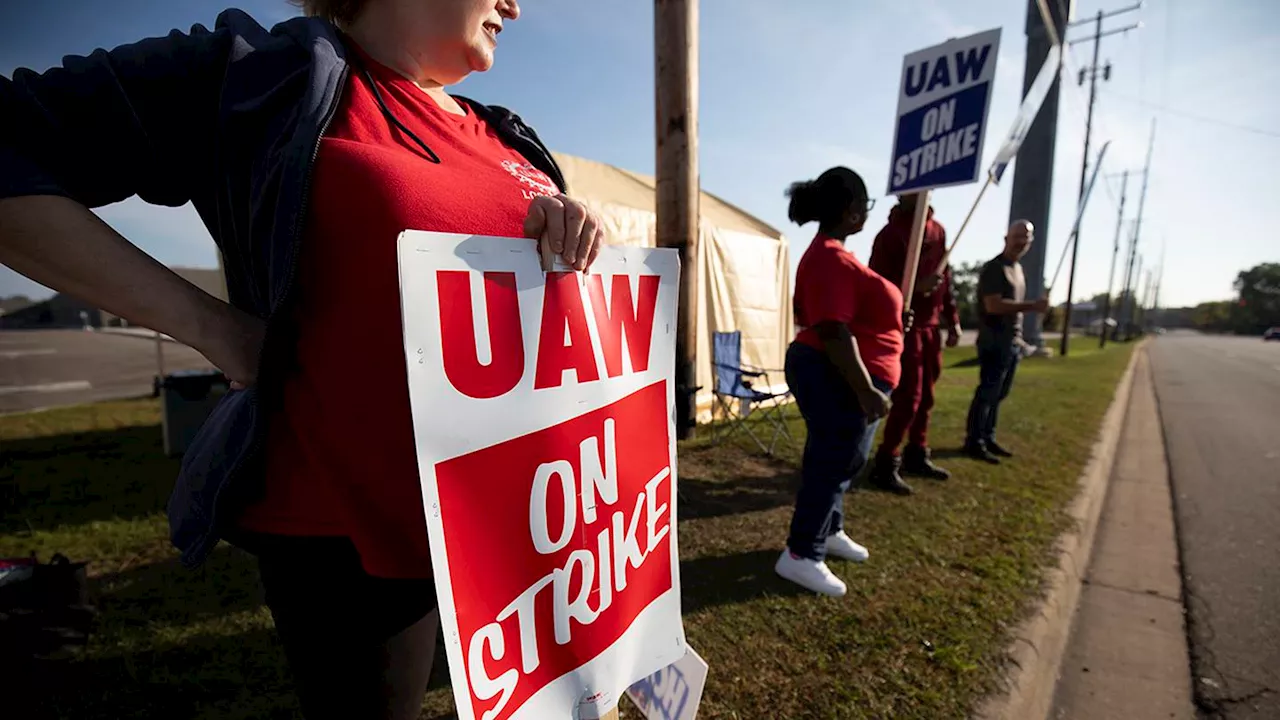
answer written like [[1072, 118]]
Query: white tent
[[742, 271]]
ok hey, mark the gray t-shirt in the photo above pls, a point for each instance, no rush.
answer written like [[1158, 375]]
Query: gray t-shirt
[[1001, 276]]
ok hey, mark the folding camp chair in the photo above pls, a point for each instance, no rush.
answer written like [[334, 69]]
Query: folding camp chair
[[736, 400]]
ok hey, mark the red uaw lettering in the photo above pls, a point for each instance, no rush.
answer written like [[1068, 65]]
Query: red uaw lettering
[[563, 315], [623, 316], [460, 346]]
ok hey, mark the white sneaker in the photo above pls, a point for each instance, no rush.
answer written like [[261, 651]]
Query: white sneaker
[[809, 574], [842, 546]]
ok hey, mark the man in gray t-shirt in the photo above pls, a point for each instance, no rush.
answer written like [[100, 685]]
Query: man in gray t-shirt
[[1001, 277], [1002, 290]]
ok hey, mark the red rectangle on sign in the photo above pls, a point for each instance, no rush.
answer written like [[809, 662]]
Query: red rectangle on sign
[[556, 541]]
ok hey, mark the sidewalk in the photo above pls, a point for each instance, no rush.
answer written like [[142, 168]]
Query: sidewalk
[[1127, 658]]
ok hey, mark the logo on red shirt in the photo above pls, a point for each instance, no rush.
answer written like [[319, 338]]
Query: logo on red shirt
[[532, 177]]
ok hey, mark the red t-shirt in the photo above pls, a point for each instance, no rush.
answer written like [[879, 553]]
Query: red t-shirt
[[340, 454], [834, 286]]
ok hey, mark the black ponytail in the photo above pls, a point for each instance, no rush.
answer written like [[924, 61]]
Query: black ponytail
[[804, 202], [826, 199]]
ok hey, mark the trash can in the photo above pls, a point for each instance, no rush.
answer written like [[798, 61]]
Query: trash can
[[187, 398]]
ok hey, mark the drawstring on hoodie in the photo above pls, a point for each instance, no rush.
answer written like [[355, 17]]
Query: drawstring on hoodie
[[391, 118]]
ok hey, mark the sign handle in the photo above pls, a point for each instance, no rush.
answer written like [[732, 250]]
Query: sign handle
[[946, 257], [913, 254]]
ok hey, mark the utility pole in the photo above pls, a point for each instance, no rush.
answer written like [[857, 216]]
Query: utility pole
[[1160, 275], [1115, 254], [1126, 292], [1134, 305], [1137, 227], [675, 25], [1147, 291], [1033, 173], [1092, 73]]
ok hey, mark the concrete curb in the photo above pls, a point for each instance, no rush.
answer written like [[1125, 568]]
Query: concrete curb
[[1040, 642]]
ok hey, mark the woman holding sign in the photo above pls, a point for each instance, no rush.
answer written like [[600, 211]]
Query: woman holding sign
[[306, 150], [841, 368]]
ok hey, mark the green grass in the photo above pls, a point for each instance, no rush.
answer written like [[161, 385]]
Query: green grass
[[921, 634]]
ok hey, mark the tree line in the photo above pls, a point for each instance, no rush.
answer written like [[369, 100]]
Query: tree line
[[1255, 308]]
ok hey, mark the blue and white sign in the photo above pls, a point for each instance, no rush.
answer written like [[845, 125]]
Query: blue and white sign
[[674, 692], [943, 99], [1027, 113]]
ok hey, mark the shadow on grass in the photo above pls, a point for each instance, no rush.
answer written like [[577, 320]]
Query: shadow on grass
[[171, 642], [702, 498], [711, 582], [79, 478], [238, 675], [167, 592]]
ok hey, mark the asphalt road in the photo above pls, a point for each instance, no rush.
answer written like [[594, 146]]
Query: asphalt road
[[51, 368], [1220, 407]]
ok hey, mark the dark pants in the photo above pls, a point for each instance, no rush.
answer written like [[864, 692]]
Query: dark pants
[[998, 363], [834, 451], [334, 620], [913, 398]]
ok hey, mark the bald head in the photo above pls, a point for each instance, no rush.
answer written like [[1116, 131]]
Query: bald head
[[1019, 238]]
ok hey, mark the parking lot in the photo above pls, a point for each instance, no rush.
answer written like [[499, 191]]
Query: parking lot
[[52, 368]]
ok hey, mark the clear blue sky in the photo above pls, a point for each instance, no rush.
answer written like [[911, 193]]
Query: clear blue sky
[[789, 89]]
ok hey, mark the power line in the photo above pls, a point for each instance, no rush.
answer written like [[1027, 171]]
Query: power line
[[1193, 116]]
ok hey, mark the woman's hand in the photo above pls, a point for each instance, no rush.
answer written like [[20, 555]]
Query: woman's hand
[[874, 403], [232, 343], [568, 227]]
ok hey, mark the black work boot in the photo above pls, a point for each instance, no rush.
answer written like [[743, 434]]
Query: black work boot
[[916, 461], [978, 451], [996, 450], [884, 476]]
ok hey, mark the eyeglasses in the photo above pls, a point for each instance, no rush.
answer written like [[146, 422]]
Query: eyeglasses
[[871, 203]]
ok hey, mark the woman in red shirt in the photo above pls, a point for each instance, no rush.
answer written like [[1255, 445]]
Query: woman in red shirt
[[841, 368], [334, 512]]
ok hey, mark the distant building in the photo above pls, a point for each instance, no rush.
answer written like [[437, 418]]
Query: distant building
[[64, 311], [59, 311], [13, 303]]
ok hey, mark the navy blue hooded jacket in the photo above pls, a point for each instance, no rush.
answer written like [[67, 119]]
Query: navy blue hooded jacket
[[230, 121]]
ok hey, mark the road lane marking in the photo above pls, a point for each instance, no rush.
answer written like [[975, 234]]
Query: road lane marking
[[70, 386], [15, 354]]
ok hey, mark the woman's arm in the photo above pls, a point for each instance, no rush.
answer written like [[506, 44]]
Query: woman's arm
[[138, 120], [842, 349], [61, 244]]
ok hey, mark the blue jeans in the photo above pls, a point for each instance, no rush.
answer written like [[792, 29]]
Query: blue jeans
[[838, 444], [998, 362]]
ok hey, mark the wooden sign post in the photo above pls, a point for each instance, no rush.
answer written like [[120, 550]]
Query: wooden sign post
[[918, 223]]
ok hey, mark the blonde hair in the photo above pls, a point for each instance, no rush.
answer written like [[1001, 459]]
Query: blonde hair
[[338, 12]]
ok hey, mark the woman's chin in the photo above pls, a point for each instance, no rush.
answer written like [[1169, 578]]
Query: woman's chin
[[480, 59]]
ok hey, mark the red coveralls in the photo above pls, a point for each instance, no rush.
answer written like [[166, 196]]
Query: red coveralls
[[922, 350]]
